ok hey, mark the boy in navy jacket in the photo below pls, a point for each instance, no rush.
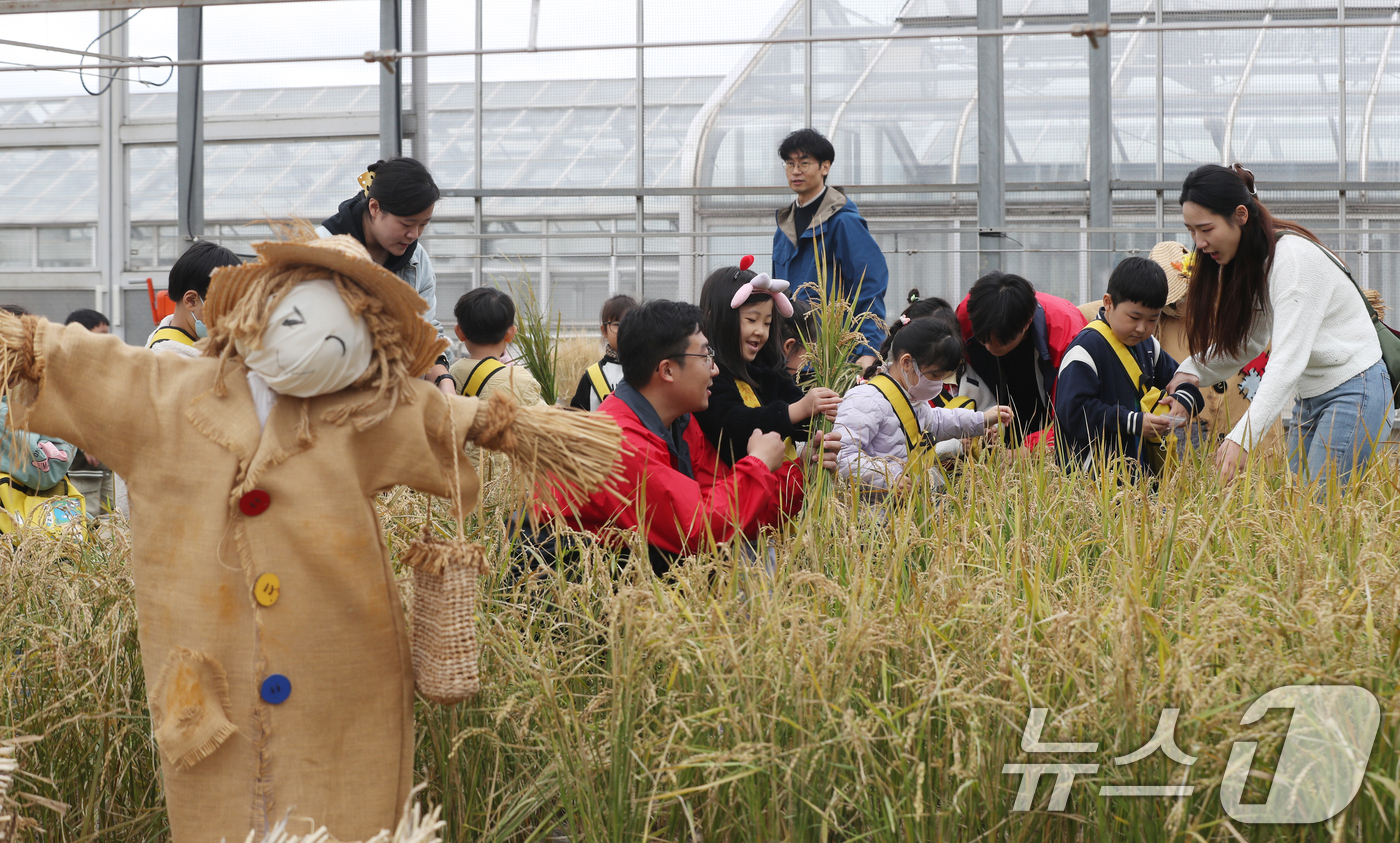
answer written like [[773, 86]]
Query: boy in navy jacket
[[1109, 392]]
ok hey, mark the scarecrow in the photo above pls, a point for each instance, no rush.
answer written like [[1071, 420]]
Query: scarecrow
[[277, 654]]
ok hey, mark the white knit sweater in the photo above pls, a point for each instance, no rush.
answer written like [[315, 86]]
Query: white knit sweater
[[1321, 335]]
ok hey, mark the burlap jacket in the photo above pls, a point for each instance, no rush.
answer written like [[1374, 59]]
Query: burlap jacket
[[215, 504]]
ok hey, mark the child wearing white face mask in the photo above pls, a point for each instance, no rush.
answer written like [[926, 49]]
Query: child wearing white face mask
[[189, 284], [888, 429]]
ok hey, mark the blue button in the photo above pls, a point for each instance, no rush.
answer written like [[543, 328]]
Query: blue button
[[275, 689]]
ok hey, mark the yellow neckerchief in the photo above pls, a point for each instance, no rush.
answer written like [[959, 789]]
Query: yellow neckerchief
[[479, 375], [1149, 399], [173, 334], [751, 400], [601, 387]]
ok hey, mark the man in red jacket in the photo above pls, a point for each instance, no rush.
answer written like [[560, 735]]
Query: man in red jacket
[[1014, 339], [667, 367]]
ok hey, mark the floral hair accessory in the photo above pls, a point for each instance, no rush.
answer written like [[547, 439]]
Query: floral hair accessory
[[904, 320], [762, 283], [1186, 265]]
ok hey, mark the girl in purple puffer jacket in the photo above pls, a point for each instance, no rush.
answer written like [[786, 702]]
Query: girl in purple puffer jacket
[[886, 419]]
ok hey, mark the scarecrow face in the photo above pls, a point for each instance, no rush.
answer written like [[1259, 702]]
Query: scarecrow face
[[313, 345]]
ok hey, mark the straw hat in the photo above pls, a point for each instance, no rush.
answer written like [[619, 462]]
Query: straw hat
[[1171, 256], [347, 256]]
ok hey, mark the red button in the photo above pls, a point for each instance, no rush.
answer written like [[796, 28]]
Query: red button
[[255, 502]]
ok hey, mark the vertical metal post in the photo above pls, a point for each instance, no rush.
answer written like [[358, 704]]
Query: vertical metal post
[[807, 64], [390, 89], [1100, 149], [419, 14], [189, 126], [546, 283], [991, 143], [641, 149], [612, 261], [477, 118], [112, 201], [1161, 131], [1341, 126]]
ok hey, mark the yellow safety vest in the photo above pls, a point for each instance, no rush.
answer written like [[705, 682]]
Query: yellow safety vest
[[1161, 456], [479, 375], [921, 454], [751, 400], [1149, 399], [601, 387], [961, 402], [170, 332], [955, 402]]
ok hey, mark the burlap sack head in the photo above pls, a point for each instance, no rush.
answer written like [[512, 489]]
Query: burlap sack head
[[241, 300]]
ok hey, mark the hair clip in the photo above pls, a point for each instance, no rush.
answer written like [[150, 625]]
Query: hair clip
[[744, 263], [1248, 183], [366, 179], [762, 283], [904, 320]]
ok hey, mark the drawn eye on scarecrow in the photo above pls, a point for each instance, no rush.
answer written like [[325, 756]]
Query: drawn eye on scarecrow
[[278, 657]]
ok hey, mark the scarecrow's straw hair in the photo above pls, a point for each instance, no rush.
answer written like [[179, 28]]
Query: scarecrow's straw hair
[[388, 373]]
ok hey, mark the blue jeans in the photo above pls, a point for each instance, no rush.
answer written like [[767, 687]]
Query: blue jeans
[[1337, 431]]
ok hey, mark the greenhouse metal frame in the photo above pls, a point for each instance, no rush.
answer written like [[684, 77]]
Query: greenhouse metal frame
[[551, 187]]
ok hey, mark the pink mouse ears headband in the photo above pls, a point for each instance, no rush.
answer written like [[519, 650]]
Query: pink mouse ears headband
[[762, 283]]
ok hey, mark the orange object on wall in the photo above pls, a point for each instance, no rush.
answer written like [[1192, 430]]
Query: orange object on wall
[[161, 305]]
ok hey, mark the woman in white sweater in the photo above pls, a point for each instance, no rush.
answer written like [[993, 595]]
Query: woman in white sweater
[[1253, 287]]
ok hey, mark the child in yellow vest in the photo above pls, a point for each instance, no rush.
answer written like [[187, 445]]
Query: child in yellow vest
[[189, 284], [599, 379], [1109, 396], [486, 325], [888, 427]]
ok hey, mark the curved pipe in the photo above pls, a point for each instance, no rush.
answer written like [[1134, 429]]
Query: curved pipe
[[1229, 140]]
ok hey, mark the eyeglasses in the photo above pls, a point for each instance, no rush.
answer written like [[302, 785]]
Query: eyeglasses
[[611, 324], [708, 355], [800, 164]]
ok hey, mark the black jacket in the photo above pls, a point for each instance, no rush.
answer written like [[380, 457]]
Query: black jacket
[[1097, 404], [349, 219], [728, 423]]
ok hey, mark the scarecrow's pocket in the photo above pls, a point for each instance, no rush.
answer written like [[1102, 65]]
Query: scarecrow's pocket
[[190, 707]]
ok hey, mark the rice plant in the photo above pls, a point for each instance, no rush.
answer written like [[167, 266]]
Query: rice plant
[[872, 689]]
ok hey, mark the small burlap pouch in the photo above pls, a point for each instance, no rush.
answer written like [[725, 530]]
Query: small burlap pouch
[[445, 573], [558, 452]]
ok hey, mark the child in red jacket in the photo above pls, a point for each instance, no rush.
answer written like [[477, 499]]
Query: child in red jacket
[[668, 487]]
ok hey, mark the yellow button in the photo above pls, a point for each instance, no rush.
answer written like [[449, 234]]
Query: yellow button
[[266, 589]]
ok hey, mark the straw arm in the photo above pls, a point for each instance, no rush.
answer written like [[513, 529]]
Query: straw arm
[[558, 447]]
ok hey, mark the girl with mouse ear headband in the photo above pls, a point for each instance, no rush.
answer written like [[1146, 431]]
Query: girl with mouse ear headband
[[744, 317]]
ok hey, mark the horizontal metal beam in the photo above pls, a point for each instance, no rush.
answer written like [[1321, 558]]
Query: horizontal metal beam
[[288, 128], [1077, 29], [870, 189], [224, 131], [13, 7]]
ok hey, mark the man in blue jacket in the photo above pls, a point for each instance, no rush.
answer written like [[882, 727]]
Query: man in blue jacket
[[823, 224]]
